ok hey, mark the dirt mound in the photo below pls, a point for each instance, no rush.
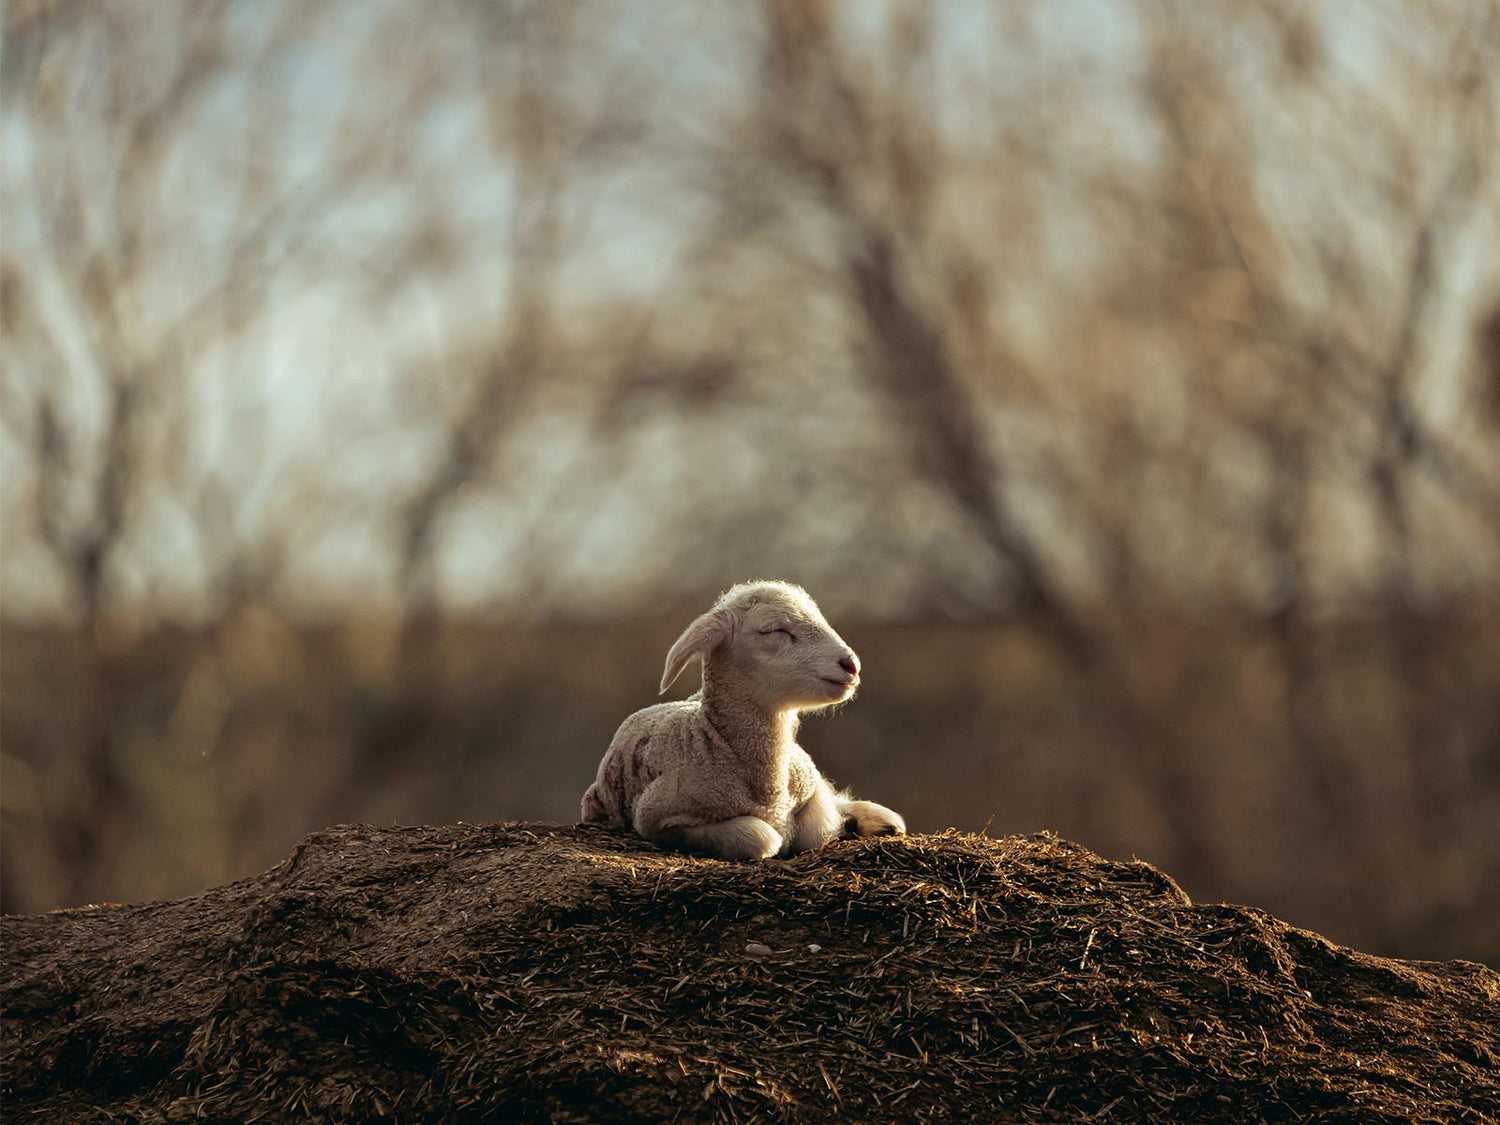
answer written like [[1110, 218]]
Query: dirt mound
[[525, 972]]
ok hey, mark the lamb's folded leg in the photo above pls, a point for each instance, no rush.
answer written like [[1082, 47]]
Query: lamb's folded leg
[[742, 837], [594, 809]]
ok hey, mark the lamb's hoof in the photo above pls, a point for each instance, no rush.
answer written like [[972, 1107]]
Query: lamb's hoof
[[866, 818]]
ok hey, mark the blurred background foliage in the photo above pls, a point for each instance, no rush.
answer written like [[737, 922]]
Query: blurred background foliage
[[386, 384]]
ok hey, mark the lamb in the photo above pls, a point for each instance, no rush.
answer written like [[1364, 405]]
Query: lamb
[[721, 771]]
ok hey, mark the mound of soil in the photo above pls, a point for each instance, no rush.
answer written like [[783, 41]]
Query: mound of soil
[[526, 972]]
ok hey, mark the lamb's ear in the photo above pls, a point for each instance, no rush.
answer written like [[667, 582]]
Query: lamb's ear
[[698, 639]]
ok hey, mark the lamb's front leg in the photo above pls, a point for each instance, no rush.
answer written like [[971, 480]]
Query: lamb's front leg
[[816, 822], [828, 815], [740, 837], [866, 818]]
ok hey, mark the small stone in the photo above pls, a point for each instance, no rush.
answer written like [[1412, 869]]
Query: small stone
[[815, 949], [756, 949]]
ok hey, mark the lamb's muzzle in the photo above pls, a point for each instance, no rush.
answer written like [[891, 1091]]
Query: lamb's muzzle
[[721, 771]]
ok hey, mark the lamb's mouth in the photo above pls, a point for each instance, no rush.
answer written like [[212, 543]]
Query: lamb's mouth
[[841, 683]]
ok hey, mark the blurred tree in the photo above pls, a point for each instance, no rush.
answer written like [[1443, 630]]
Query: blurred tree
[[1079, 323]]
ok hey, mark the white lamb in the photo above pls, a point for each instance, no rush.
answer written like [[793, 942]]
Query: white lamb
[[721, 772]]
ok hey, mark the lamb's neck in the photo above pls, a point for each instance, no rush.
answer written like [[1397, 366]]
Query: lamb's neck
[[753, 732]]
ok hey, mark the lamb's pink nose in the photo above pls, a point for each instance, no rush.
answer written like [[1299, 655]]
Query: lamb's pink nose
[[849, 665]]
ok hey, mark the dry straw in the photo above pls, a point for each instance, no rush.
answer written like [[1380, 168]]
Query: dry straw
[[534, 973]]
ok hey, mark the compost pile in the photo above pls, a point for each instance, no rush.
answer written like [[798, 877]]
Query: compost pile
[[528, 972]]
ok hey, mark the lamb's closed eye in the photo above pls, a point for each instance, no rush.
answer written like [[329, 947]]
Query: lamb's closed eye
[[722, 772]]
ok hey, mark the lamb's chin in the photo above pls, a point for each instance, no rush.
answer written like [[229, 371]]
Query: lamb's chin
[[833, 695]]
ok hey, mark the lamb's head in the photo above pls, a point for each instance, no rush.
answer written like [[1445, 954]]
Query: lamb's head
[[770, 640]]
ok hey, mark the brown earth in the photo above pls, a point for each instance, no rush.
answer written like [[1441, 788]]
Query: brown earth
[[528, 972]]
